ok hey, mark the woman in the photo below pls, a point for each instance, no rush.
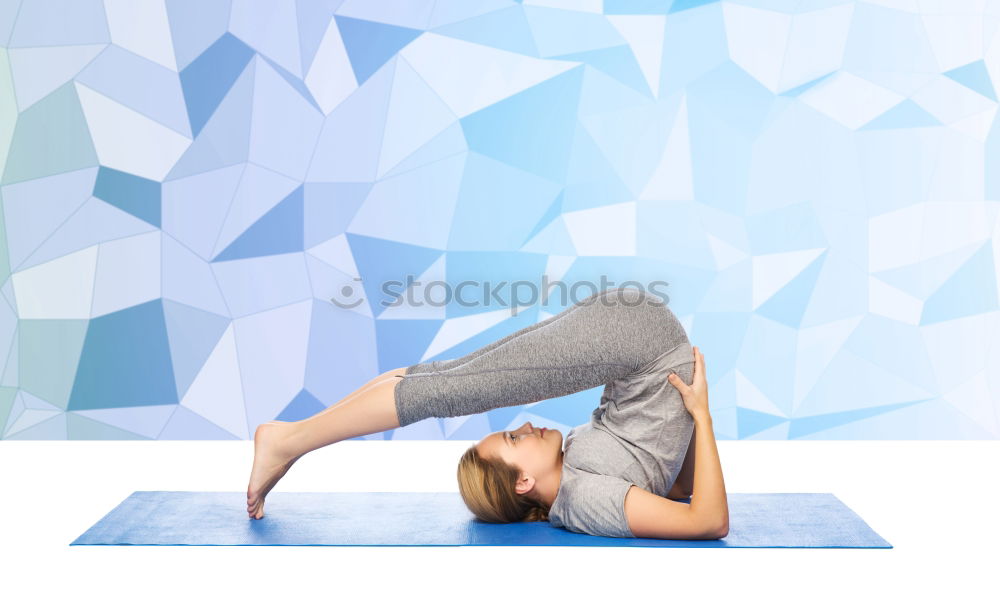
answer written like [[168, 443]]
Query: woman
[[649, 441]]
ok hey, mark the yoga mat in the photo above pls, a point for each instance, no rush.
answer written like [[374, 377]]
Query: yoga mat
[[770, 520]]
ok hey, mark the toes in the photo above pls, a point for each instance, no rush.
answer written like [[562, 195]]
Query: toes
[[255, 508]]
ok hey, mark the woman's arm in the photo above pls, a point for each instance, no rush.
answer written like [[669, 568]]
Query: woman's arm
[[649, 515], [709, 496], [708, 500]]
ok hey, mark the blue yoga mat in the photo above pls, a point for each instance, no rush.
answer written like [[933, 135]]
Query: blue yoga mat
[[771, 520]]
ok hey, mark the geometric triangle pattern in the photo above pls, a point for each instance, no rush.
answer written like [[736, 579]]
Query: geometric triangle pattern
[[212, 218]]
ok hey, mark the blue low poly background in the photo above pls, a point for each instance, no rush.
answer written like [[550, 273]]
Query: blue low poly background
[[186, 186]]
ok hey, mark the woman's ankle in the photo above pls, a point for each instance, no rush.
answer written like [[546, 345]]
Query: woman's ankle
[[287, 440]]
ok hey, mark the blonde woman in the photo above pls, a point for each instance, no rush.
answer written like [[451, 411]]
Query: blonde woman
[[648, 444]]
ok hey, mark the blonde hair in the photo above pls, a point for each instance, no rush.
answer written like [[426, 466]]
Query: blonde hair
[[487, 487]]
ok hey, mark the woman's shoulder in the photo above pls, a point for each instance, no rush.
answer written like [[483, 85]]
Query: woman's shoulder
[[591, 503]]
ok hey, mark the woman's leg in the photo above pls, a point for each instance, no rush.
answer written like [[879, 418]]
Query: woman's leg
[[441, 365], [591, 343], [278, 445]]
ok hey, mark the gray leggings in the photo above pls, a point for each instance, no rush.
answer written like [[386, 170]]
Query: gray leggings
[[593, 342]]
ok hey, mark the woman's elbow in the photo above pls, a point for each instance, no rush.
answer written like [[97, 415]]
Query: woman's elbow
[[717, 531]]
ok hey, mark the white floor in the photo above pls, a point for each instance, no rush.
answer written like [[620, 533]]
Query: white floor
[[929, 499]]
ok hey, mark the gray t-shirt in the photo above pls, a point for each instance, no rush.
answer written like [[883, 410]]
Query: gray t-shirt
[[639, 434]]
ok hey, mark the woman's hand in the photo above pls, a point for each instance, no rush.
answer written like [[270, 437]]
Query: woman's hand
[[695, 395]]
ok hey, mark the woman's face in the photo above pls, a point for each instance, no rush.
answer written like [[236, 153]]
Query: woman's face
[[536, 452]]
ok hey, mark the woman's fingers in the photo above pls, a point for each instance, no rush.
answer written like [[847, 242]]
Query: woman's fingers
[[699, 365], [698, 376], [677, 382]]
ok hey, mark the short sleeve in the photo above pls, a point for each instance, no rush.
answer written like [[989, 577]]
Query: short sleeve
[[593, 504]]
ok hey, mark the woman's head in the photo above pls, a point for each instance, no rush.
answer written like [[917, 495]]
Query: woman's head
[[512, 475]]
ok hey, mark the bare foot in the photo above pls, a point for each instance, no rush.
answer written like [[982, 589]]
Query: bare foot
[[269, 465]]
